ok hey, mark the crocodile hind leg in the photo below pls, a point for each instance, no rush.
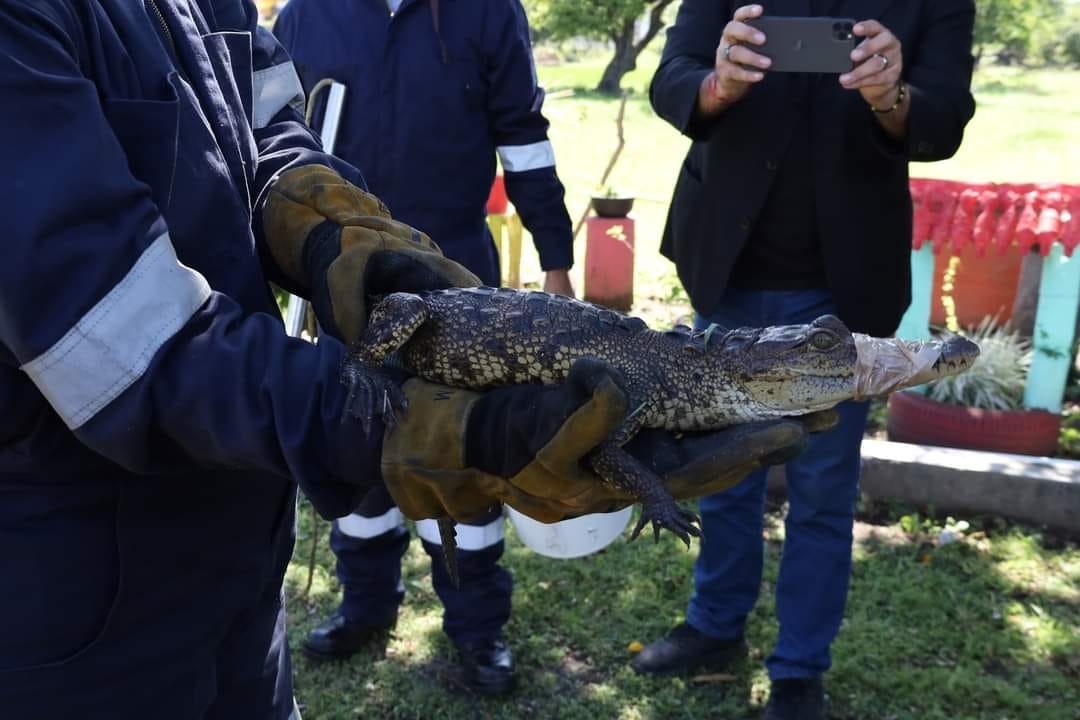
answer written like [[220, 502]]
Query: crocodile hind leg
[[372, 392], [623, 470]]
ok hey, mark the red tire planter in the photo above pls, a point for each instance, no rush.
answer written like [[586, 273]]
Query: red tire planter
[[913, 418]]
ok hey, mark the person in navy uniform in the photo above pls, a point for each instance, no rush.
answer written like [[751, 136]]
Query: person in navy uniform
[[792, 203], [157, 418], [445, 87]]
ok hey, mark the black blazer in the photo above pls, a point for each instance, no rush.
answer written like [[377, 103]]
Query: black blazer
[[860, 174]]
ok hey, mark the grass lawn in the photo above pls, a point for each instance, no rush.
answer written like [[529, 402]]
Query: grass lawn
[[986, 627]]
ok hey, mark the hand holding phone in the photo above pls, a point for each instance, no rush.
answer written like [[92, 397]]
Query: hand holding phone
[[737, 67], [806, 44], [880, 65]]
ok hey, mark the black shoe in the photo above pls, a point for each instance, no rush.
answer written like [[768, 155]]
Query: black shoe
[[339, 639], [487, 666], [796, 699], [685, 649]]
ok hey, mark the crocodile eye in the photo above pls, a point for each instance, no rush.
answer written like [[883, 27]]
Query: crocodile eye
[[823, 341]]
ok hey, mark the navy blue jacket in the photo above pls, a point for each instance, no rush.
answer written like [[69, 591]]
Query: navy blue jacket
[[156, 416], [427, 111]]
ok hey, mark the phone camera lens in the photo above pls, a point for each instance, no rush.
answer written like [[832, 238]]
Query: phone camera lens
[[842, 30]]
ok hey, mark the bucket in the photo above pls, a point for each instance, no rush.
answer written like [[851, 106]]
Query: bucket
[[573, 538]]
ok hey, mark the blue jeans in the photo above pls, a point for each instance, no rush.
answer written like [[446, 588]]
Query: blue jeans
[[822, 485]]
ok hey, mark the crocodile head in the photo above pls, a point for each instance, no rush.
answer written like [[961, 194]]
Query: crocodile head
[[783, 370], [787, 370], [799, 368]]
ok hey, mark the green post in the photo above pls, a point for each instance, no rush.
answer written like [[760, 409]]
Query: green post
[[915, 325], [1055, 321]]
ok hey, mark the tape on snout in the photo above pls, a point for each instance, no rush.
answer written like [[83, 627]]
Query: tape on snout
[[885, 365]]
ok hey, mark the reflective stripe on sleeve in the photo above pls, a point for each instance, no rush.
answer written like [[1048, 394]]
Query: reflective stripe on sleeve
[[469, 537], [364, 528], [112, 345], [519, 158], [274, 88]]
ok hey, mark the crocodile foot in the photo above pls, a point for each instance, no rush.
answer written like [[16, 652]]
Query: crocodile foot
[[372, 394], [624, 471], [664, 512]]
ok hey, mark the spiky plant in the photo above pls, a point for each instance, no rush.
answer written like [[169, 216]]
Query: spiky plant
[[996, 380]]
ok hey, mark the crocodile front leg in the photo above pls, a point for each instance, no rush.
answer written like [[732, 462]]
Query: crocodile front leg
[[372, 391], [626, 472]]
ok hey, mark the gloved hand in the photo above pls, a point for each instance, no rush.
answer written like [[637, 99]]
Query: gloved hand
[[340, 244], [457, 452]]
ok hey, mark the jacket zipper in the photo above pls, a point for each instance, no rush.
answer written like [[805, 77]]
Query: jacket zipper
[[164, 27]]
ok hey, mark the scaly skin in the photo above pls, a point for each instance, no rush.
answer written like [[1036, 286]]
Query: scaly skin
[[679, 380]]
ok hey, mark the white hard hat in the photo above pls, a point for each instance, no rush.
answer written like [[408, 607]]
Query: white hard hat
[[569, 538]]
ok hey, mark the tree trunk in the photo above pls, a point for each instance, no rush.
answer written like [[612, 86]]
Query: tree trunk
[[1027, 294], [624, 61], [627, 51]]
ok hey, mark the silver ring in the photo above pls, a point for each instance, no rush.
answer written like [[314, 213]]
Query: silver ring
[[727, 52], [884, 60]]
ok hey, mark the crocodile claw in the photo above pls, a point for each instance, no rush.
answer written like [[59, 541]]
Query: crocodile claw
[[372, 394], [448, 537], [666, 513]]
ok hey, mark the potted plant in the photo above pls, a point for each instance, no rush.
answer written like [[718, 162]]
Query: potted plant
[[610, 203], [982, 408]]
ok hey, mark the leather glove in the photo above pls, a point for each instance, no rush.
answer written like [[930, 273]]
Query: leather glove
[[458, 452], [340, 245]]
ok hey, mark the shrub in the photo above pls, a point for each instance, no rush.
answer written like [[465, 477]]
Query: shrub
[[996, 380]]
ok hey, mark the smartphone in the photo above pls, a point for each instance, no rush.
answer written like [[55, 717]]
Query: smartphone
[[806, 44]]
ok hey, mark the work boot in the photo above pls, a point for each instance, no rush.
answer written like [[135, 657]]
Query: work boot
[[686, 648], [796, 699], [338, 639], [487, 666]]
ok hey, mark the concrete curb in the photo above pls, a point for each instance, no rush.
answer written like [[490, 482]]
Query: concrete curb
[[1035, 490]]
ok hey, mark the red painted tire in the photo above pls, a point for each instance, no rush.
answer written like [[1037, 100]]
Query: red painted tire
[[913, 418]]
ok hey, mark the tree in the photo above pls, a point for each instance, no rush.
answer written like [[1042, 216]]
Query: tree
[[1011, 25], [613, 20]]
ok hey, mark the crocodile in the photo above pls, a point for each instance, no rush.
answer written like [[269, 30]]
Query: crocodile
[[678, 379]]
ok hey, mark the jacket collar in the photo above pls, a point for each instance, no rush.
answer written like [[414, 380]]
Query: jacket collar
[[858, 9]]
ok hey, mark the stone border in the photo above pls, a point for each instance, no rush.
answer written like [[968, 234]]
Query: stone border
[[1035, 490]]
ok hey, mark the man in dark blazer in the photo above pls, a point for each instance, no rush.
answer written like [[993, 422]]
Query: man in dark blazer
[[793, 202]]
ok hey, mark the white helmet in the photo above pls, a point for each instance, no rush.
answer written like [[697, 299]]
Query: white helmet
[[570, 538]]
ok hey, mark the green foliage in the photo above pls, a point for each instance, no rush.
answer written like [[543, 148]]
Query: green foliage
[[1069, 441], [1071, 47], [1014, 26], [996, 380], [282, 298], [596, 19], [1069, 33], [611, 20]]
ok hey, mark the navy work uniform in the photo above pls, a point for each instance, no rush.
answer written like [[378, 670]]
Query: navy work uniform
[[434, 91], [155, 414]]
